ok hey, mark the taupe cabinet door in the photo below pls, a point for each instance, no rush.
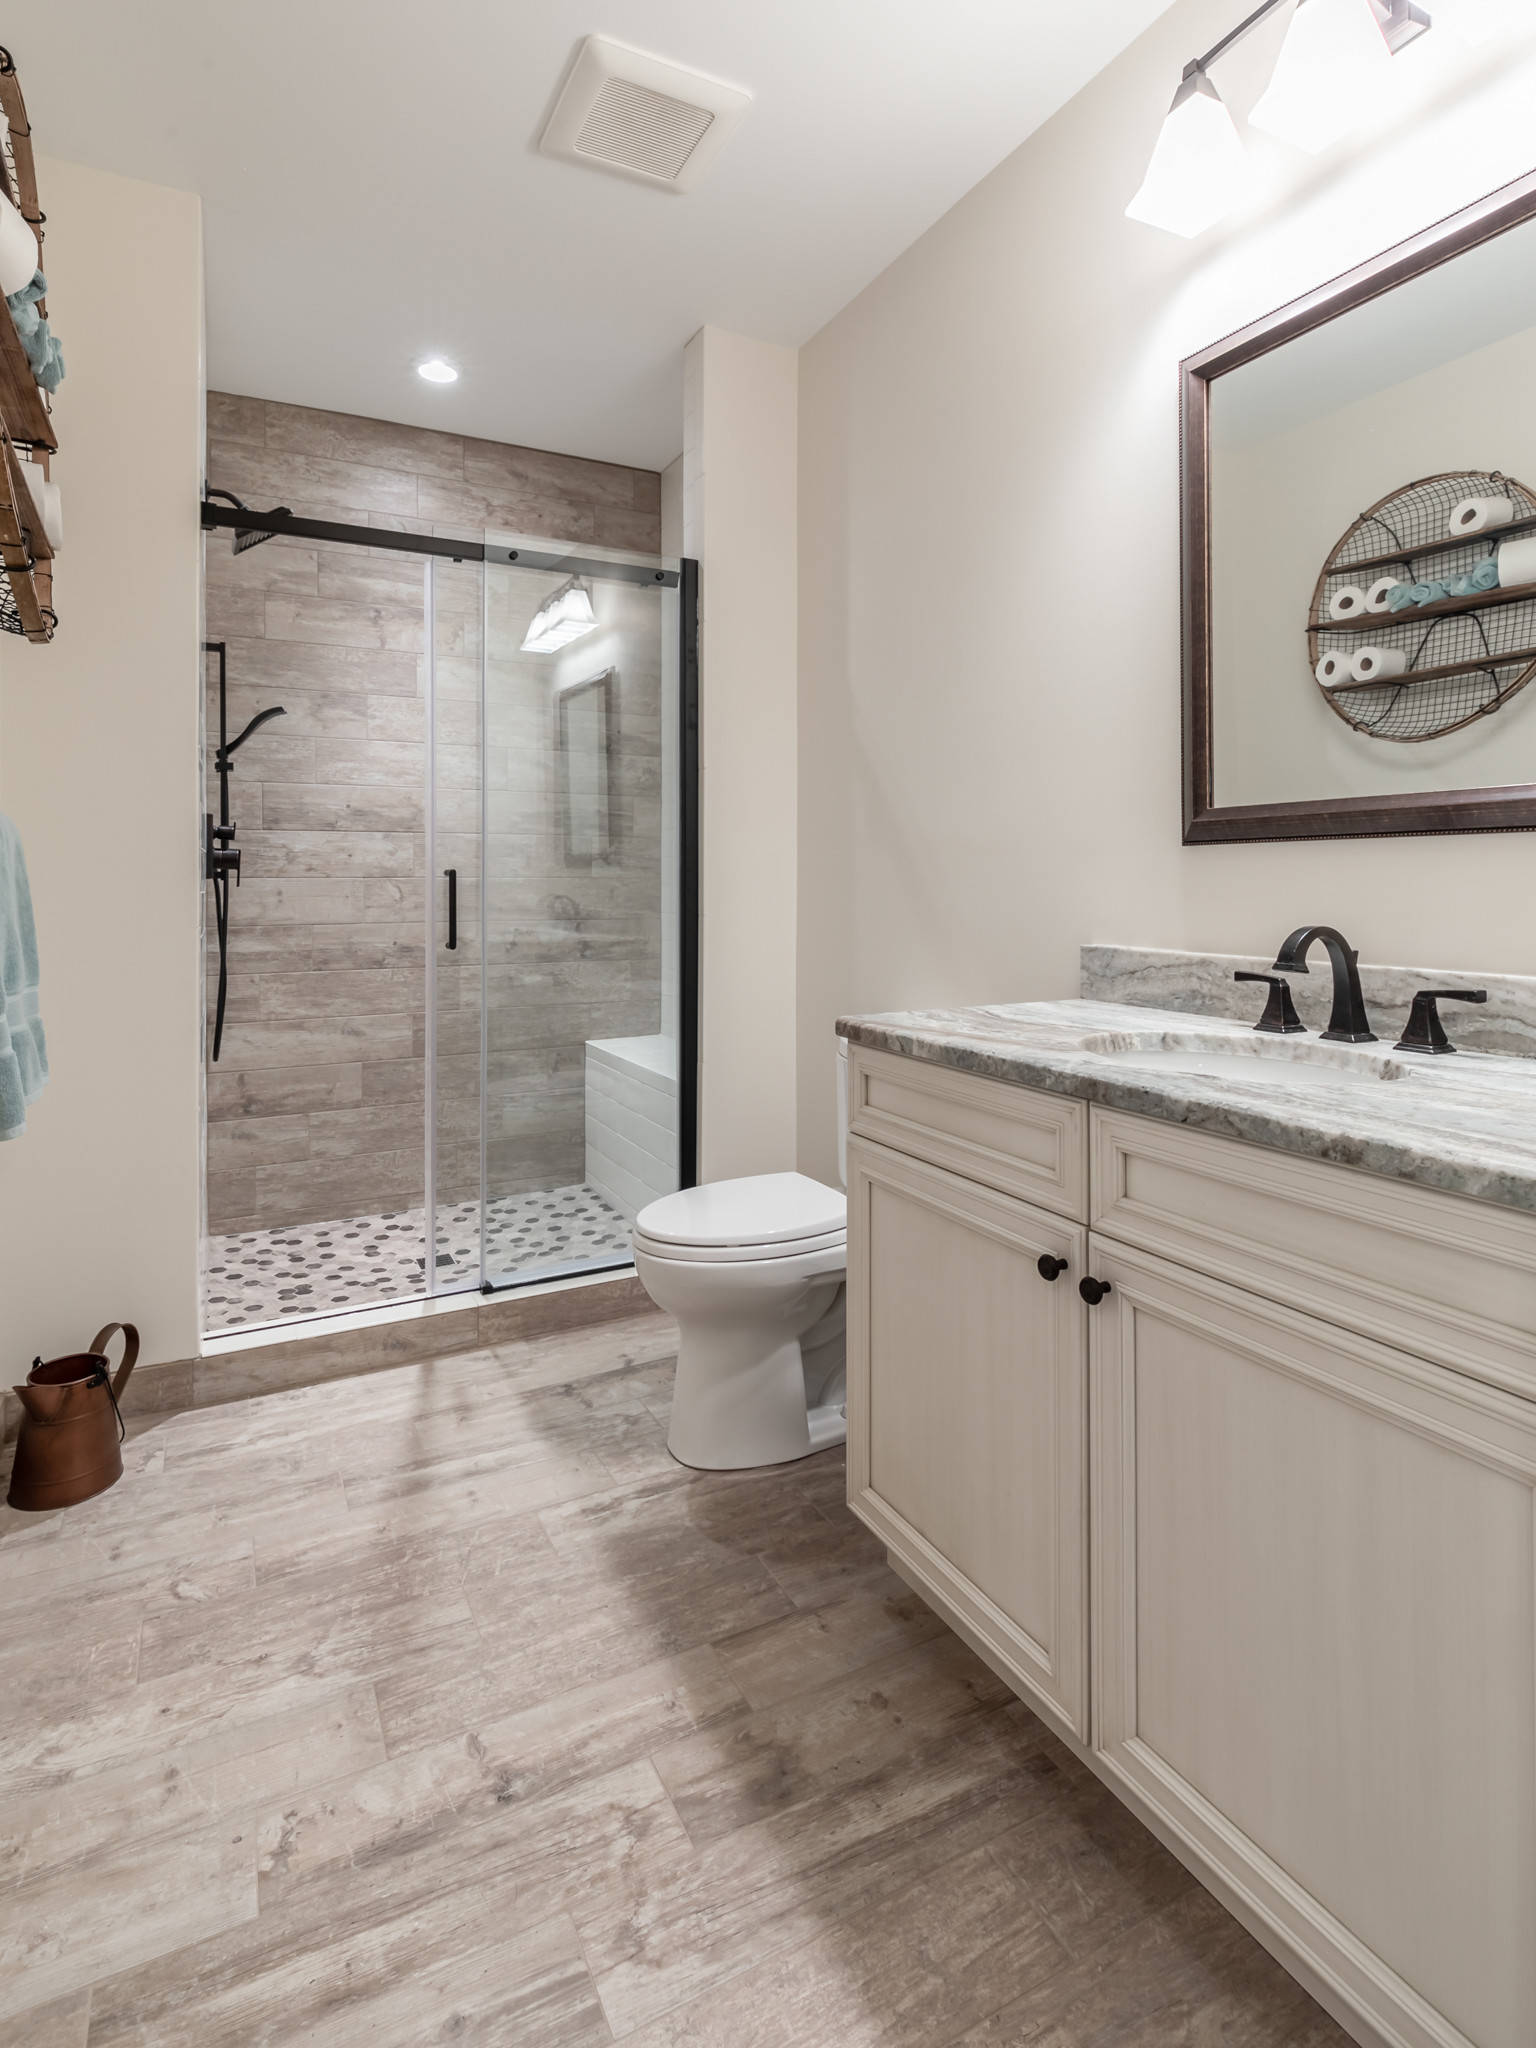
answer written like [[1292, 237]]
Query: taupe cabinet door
[[1315, 1638], [967, 1412]]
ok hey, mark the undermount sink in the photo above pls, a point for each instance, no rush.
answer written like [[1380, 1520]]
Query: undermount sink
[[1258, 1059]]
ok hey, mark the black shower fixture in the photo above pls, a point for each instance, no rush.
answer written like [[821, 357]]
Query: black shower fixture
[[248, 536], [221, 856]]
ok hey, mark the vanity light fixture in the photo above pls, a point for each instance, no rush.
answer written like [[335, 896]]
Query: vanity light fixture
[[1334, 53], [1199, 169], [436, 371], [560, 619], [1326, 77]]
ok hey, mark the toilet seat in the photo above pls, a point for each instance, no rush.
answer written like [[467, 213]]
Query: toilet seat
[[764, 1216]]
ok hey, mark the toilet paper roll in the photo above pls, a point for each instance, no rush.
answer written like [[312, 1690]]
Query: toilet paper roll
[[1517, 561], [1372, 664], [1477, 515], [45, 496], [18, 250], [1376, 596], [1332, 670], [1347, 603]]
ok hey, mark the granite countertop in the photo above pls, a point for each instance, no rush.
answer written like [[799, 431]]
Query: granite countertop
[[1465, 1125]]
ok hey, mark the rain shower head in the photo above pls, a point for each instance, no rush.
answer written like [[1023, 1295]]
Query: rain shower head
[[248, 536]]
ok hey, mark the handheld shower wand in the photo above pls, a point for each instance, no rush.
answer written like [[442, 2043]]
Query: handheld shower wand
[[221, 856]]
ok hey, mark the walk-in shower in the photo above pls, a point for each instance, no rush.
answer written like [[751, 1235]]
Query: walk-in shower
[[458, 1041]]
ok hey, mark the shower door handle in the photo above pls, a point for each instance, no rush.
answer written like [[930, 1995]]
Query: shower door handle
[[452, 945]]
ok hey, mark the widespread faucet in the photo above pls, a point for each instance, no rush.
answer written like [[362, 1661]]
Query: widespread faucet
[[1348, 1023]]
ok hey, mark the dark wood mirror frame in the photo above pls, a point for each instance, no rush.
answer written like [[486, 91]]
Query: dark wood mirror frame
[[1511, 809]]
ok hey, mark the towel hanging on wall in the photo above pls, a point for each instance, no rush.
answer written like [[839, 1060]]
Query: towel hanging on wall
[[23, 1048]]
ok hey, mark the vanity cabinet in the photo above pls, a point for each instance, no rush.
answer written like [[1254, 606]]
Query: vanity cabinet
[[1306, 1655], [968, 1412]]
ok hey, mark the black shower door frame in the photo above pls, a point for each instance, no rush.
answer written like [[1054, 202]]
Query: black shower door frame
[[685, 578]]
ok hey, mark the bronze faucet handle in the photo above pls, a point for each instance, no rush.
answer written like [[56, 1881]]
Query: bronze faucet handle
[[1425, 1032], [1279, 1012]]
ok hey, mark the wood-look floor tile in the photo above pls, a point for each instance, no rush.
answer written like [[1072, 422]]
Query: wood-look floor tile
[[601, 1843], [907, 1976], [330, 1609], [351, 1713], [61, 2023], [534, 1991], [1087, 1864], [840, 1735], [293, 1977], [566, 1611], [806, 1650], [141, 1902], [223, 1767], [774, 1885], [1188, 1977]]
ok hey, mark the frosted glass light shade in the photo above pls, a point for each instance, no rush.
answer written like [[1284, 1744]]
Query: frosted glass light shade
[[1199, 169], [561, 619], [1331, 67], [1479, 21]]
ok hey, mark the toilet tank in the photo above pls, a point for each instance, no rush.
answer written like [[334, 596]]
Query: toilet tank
[[842, 1112]]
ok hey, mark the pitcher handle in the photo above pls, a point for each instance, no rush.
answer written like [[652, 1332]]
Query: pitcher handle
[[99, 1344]]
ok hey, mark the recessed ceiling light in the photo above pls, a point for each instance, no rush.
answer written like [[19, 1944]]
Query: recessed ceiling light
[[436, 371]]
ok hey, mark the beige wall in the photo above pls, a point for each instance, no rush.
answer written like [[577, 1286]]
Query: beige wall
[[989, 582], [739, 513], [99, 1201]]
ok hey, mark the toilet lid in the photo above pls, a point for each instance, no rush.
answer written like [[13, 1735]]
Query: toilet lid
[[765, 1209]]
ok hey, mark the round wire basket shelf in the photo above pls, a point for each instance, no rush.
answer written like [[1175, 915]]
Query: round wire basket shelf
[[11, 620], [1466, 657]]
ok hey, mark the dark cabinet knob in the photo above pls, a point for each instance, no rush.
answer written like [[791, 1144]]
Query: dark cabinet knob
[[1093, 1291], [1049, 1268]]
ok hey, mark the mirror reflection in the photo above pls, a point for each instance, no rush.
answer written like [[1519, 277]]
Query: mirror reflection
[[1373, 544]]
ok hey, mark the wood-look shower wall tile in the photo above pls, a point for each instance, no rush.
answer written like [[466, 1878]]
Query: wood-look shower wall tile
[[266, 666], [344, 437], [307, 713], [278, 1092], [313, 485], [326, 853], [346, 807], [341, 622]]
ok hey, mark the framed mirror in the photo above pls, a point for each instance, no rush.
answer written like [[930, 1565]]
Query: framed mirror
[[1359, 548], [584, 745]]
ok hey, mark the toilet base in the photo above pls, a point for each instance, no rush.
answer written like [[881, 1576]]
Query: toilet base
[[760, 1355]]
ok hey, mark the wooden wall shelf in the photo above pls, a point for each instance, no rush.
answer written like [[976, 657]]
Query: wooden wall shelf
[[26, 606], [1446, 608]]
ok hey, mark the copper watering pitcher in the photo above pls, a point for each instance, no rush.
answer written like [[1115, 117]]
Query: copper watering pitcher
[[71, 1431]]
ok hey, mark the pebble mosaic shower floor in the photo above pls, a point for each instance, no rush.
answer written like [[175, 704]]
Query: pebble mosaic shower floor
[[310, 1269]]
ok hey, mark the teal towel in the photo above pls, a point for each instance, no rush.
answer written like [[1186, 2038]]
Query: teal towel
[[23, 1048], [41, 347], [1404, 597], [1484, 577]]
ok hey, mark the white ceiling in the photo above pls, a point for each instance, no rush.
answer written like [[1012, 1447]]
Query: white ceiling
[[373, 192]]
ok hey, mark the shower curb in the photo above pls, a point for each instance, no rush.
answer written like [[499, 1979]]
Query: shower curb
[[290, 1362]]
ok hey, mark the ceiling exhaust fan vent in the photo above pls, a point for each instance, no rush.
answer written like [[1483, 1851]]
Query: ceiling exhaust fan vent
[[623, 111]]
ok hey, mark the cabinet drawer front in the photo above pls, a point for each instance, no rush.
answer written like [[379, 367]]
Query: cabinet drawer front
[[1017, 1139], [1314, 1641], [967, 1413], [1448, 1279]]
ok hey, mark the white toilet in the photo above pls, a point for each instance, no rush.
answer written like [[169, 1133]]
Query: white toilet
[[753, 1270]]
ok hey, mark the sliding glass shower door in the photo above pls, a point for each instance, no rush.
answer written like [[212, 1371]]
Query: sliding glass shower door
[[557, 873], [452, 1023]]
